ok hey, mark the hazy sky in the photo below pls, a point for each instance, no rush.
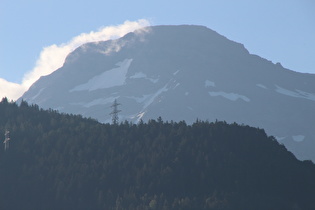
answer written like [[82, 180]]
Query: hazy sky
[[278, 30]]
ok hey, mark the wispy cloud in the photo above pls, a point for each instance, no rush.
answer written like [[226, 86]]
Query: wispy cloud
[[10, 90], [52, 57]]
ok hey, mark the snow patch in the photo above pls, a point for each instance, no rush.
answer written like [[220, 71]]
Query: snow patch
[[138, 75], [176, 72], [153, 80], [298, 138], [149, 99], [261, 86], [152, 97], [140, 115], [280, 138], [306, 95], [230, 96], [110, 78], [100, 101], [296, 93], [139, 99], [209, 83], [95, 102], [176, 85], [141, 75], [39, 92]]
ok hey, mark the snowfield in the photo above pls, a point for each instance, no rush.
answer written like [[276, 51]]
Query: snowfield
[[110, 78]]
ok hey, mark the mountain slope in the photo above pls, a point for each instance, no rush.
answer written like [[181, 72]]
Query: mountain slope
[[183, 73], [58, 161]]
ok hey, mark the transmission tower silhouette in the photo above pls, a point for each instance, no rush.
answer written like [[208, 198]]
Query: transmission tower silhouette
[[115, 112], [6, 139]]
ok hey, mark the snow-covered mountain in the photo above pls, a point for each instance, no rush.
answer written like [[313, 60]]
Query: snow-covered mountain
[[183, 73]]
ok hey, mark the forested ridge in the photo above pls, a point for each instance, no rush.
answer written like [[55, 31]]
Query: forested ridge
[[63, 161]]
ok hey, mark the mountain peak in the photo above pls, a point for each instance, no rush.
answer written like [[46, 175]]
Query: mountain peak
[[183, 72]]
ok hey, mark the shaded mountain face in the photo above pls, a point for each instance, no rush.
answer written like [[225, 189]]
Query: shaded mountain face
[[183, 73]]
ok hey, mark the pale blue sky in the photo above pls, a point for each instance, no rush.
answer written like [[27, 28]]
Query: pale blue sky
[[278, 30]]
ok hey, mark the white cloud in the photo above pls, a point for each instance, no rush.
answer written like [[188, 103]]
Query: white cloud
[[10, 90], [52, 57]]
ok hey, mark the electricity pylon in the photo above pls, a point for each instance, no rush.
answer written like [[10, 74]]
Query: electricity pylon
[[6, 139], [115, 112]]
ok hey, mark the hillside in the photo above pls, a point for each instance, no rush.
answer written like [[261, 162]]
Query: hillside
[[183, 72], [62, 161]]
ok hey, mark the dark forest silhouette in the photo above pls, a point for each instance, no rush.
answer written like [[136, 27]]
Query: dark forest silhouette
[[63, 161]]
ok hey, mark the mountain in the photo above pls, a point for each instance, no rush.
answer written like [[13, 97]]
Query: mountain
[[183, 73], [63, 161]]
